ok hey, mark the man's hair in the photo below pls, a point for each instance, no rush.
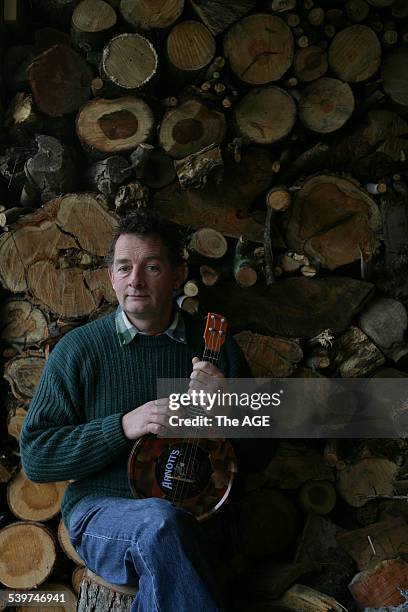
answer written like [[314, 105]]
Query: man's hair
[[144, 223]]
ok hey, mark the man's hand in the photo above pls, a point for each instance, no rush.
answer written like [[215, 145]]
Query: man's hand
[[152, 417], [205, 376]]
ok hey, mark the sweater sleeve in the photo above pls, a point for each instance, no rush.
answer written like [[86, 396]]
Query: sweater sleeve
[[56, 443]]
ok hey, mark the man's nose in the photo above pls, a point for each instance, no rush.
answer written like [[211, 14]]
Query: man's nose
[[136, 278]]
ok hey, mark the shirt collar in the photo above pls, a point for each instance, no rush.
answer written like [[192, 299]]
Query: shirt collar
[[126, 331]]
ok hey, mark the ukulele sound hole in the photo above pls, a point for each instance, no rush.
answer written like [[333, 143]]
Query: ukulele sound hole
[[183, 471]]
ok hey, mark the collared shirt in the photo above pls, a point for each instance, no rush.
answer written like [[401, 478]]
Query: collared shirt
[[127, 331]]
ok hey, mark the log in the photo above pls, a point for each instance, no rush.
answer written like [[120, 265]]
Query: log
[[160, 170], [394, 80], [10, 215], [51, 170], [355, 54], [55, 96], [317, 496], [255, 56], [66, 544], [191, 288], [268, 523], [15, 420], [300, 597], [381, 3], [111, 126], [97, 595], [269, 357], [209, 275], [130, 61], [295, 463], [92, 24], [9, 463], [265, 115], [23, 372], [22, 119], [379, 586], [399, 9], [34, 502], [244, 265], [356, 355], [196, 169], [108, 175], [218, 18], [190, 48], [377, 542], [217, 205], [385, 322], [360, 482], [147, 15], [295, 307], [330, 218], [20, 543], [310, 63], [207, 242], [325, 105], [188, 304], [69, 604], [357, 10], [140, 158], [77, 577], [189, 128]]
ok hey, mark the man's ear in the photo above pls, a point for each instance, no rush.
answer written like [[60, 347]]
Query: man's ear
[[110, 274], [181, 276]]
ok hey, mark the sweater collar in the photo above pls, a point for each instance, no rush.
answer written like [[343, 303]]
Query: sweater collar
[[126, 331]]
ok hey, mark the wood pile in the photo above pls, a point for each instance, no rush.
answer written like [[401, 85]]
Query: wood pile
[[275, 134]]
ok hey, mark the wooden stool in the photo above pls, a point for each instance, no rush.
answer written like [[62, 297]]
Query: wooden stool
[[98, 595]]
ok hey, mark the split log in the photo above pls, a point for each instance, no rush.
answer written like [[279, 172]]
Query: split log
[[108, 174], [66, 544], [207, 242], [20, 543], [394, 76], [51, 170], [356, 355], [377, 542], [217, 205], [255, 56], [55, 96], [196, 169], [310, 63], [318, 496], [268, 523], [97, 595], [325, 105], [131, 196], [191, 127], [218, 18], [265, 115], [300, 597], [269, 357], [146, 15], [190, 48], [34, 502], [385, 321], [129, 61], [23, 372], [69, 604], [355, 54], [92, 23], [15, 420], [111, 126], [295, 307], [244, 265], [330, 219], [370, 477], [379, 586]]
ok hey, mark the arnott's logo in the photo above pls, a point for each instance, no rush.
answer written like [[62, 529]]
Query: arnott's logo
[[167, 478]]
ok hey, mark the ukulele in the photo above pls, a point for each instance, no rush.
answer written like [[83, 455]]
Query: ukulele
[[193, 473]]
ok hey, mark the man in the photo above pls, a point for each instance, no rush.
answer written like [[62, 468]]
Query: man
[[97, 395]]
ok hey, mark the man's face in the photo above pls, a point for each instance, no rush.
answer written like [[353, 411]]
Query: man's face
[[144, 279]]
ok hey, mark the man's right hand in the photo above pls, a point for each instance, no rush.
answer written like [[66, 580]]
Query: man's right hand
[[152, 417]]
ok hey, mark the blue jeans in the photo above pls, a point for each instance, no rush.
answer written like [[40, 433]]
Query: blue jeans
[[150, 542]]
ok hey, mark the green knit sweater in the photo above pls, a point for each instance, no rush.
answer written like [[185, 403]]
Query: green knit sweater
[[73, 427]]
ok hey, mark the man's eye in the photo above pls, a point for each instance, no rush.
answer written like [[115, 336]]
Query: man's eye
[[123, 268], [152, 268]]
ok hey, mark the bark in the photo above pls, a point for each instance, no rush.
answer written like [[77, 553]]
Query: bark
[[355, 54], [112, 126], [325, 105], [108, 175], [196, 169], [265, 115], [55, 96], [21, 543], [255, 56], [218, 18], [244, 265], [189, 128], [356, 355], [97, 595], [77, 577]]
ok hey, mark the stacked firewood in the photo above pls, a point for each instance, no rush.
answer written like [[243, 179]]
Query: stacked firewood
[[275, 134]]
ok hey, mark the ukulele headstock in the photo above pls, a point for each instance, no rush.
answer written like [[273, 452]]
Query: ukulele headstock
[[215, 332]]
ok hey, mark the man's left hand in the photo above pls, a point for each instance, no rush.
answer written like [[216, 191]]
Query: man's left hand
[[205, 376]]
